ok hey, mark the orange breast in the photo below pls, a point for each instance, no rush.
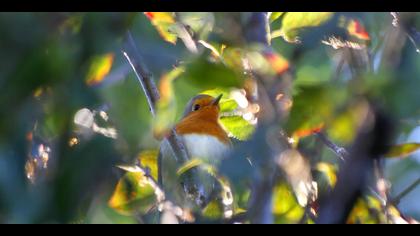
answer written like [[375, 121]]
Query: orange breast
[[202, 123]]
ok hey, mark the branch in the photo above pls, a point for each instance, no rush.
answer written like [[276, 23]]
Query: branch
[[162, 203], [143, 75], [339, 151], [406, 191], [260, 204], [371, 142], [152, 95]]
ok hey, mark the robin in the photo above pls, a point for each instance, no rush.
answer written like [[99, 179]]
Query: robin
[[204, 139]]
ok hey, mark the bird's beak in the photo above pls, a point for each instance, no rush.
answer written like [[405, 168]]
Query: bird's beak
[[216, 101]]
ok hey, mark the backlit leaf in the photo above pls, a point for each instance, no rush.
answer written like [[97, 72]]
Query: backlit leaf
[[303, 132], [100, 67], [166, 106], [277, 62], [286, 209], [163, 21], [329, 170], [294, 22], [148, 159], [237, 127], [133, 194], [356, 29], [403, 150], [275, 15]]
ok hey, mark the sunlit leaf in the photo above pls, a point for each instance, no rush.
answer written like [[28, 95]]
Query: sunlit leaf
[[294, 22], [133, 194], [148, 159], [329, 170], [285, 207], [367, 210], [166, 106], [275, 15], [99, 68], [226, 103], [403, 150], [237, 127], [356, 29], [189, 165], [277, 62], [312, 106], [163, 21], [344, 127], [213, 210], [303, 132]]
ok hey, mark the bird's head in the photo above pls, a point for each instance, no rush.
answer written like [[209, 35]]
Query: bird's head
[[203, 105]]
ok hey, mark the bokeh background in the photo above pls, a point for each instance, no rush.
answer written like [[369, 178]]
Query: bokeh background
[[71, 108]]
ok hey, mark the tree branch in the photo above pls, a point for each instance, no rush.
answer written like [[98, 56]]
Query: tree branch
[[406, 191], [371, 142], [339, 151]]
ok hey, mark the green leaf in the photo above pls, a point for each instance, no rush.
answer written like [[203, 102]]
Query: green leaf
[[403, 150], [275, 15], [237, 127], [206, 75], [294, 22], [213, 210], [133, 194], [227, 104]]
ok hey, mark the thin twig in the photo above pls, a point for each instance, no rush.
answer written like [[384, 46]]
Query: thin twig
[[143, 75], [396, 200], [339, 151]]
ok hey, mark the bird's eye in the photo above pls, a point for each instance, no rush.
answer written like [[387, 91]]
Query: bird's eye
[[196, 107]]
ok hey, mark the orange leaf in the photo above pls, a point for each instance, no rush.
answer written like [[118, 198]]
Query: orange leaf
[[300, 133], [355, 28], [277, 62]]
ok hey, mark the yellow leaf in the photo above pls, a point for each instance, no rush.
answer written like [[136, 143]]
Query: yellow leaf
[[148, 159], [162, 22], [403, 150], [99, 68], [133, 194], [189, 165], [166, 106], [329, 171]]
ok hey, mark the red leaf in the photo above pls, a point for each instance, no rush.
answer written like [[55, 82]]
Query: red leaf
[[355, 28], [277, 62]]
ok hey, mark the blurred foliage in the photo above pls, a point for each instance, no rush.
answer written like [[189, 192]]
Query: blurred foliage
[[72, 111]]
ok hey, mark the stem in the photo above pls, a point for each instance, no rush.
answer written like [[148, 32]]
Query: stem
[[406, 191], [143, 75], [339, 151]]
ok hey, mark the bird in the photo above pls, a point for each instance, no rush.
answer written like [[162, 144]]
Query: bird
[[204, 139]]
